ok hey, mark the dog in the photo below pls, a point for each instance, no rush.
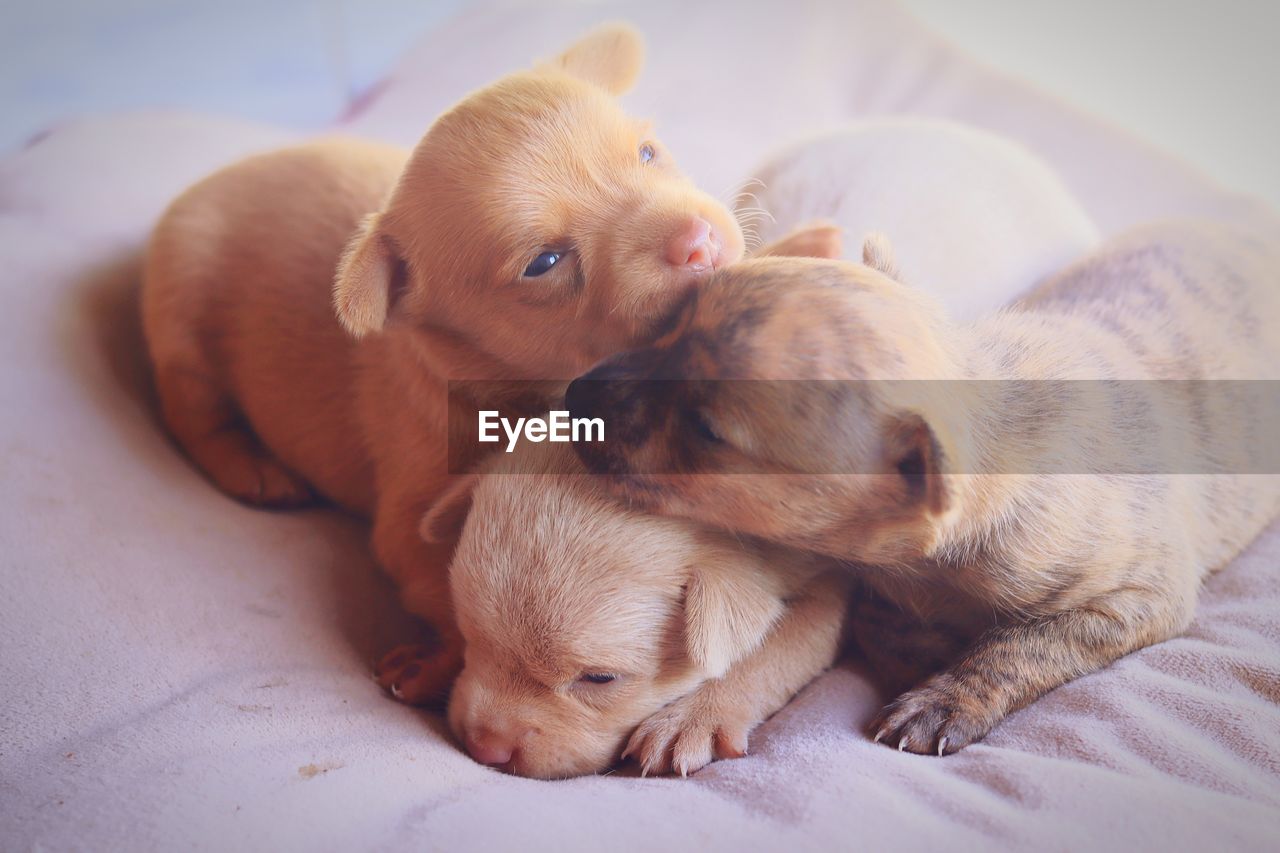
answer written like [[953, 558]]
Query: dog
[[534, 229], [1047, 526], [595, 632], [976, 218]]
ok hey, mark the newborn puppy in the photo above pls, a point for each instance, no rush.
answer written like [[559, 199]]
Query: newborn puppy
[[534, 229], [591, 627], [1054, 524], [976, 218]]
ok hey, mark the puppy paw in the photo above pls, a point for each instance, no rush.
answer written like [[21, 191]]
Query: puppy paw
[[262, 481], [686, 736], [417, 675], [938, 718], [817, 239]]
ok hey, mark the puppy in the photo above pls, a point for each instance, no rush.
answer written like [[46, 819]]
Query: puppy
[[1051, 525], [594, 631], [976, 218], [534, 229]]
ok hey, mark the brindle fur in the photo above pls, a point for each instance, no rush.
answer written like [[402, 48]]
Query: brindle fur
[[1040, 577]]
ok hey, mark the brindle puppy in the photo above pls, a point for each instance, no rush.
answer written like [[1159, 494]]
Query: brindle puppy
[[1055, 525]]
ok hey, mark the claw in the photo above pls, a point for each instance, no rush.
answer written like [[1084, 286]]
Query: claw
[[902, 744], [942, 746], [396, 691], [880, 735]]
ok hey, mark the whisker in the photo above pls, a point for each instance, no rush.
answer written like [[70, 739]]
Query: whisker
[[735, 192]]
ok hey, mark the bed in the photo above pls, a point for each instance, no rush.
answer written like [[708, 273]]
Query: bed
[[180, 671]]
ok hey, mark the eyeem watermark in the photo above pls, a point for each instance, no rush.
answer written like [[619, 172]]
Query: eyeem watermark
[[557, 426]]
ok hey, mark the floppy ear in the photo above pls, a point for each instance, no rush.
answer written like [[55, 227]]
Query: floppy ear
[[727, 612], [370, 273], [877, 253], [917, 454], [610, 56], [444, 520]]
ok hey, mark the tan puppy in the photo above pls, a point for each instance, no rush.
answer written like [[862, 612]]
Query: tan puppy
[[1053, 525], [590, 627], [534, 229]]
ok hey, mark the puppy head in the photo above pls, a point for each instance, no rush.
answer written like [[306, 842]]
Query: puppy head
[[795, 418], [581, 617], [537, 203]]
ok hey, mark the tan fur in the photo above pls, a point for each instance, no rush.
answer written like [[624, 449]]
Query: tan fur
[[274, 397], [1044, 576], [705, 633]]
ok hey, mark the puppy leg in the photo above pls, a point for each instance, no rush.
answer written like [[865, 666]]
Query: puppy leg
[[715, 720], [417, 674], [817, 239], [1010, 666], [204, 420]]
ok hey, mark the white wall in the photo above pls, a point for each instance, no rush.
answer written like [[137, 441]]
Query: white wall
[[1202, 79], [1199, 78]]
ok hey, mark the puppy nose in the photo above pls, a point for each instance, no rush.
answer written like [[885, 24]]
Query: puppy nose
[[492, 748], [694, 245]]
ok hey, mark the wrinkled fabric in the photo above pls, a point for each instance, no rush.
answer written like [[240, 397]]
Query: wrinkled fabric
[[179, 671]]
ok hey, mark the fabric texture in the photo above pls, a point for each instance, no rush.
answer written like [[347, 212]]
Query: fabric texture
[[179, 671]]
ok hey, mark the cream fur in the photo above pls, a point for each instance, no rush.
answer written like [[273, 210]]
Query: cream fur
[[706, 634], [976, 219]]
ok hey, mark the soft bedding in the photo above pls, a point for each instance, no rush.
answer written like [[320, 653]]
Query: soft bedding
[[179, 671]]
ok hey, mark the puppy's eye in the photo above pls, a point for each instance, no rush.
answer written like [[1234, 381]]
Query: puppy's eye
[[702, 427], [597, 677], [542, 263], [647, 152]]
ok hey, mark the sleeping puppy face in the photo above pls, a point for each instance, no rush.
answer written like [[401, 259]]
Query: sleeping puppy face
[[781, 424], [537, 203], [581, 617]]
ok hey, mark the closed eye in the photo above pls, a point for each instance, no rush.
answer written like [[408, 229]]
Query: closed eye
[[597, 677], [701, 427]]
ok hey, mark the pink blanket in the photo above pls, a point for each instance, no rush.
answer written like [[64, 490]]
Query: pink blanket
[[179, 671]]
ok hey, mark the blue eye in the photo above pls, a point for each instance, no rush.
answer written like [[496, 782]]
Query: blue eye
[[597, 677], [647, 153], [542, 263]]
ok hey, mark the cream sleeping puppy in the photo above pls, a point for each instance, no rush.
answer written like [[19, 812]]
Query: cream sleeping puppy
[[594, 632], [976, 219]]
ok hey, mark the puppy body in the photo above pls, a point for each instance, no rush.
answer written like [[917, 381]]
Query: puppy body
[[976, 219], [534, 229], [240, 324], [1039, 577], [590, 627]]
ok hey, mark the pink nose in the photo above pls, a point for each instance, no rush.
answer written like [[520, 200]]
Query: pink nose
[[694, 245], [491, 748]]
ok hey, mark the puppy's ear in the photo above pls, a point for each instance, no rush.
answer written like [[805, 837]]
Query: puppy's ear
[[917, 453], [728, 611], [370, 275], [816, 239], [877, 253], [610, 56], [443, 522]]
